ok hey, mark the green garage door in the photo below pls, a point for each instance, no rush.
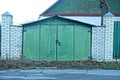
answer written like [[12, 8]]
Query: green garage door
[[48, 45], [82, 42], [60, 42], [66, 40], [31, 43]]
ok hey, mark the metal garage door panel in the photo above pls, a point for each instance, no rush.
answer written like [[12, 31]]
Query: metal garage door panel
[[31, 43], [48, 43], [65, 37], [82, 42]]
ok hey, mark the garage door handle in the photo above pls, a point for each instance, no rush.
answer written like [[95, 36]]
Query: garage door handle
[[57, 42]]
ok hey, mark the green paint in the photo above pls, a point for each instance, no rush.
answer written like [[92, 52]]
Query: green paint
[[116, 50], [82, 42], [31, 43], [82, 7], [65, 37], [73, 40], [48, 46]]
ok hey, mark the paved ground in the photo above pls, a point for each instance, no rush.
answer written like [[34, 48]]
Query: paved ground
[[59, 74]]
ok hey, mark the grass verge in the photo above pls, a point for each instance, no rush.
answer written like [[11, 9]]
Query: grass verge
[[22, 64]]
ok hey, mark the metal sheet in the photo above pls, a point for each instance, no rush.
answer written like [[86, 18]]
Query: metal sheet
[[31, 43], [65, 38], [116, 50], [48, 45], [82, 42], [60, 39]]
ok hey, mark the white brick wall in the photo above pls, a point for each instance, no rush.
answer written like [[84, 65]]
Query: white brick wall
[[6, 22], [15, 42], [11, 38], [98, 39], [109, 30], [102, 40]]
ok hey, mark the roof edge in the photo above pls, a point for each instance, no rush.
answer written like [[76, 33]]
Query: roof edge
[[50, 7], [59, 17], [72, 14]]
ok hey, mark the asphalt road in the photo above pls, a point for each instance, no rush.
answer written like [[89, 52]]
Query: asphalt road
[[59, 74]]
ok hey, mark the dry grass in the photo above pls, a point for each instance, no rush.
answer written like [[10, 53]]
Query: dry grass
[[22, 64]]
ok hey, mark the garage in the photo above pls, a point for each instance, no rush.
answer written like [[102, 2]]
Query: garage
[[57, 39]]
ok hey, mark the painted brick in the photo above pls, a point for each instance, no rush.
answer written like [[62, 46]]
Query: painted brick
[[11, 45], [102, 40]]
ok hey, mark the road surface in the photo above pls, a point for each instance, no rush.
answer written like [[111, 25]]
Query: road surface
[[59, 74]]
